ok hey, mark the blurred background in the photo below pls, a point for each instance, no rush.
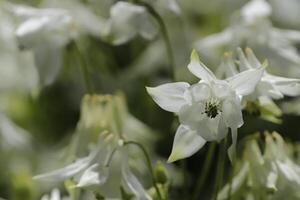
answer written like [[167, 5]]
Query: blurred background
[[42, 81]]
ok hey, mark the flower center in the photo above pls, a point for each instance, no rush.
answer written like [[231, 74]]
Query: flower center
[[212, 108]]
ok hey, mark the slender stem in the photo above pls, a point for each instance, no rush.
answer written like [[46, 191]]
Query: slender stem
[[205, 171], [148, 164], [230, 181], [165, 36], [220, 169], [84, 69]]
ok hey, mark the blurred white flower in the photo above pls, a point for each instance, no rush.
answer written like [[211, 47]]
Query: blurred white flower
[[106, 167], [98, 171], [254, 29], [255, 10], [264, 172], [128, 20], [54, 195], [206, 109], [271, 86], [17, 71], [45, 32], [13, 137]]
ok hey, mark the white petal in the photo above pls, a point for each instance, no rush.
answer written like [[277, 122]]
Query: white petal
[[287, 86], [93, 176], [199, 92], [192, 115], [243, 62], [228, 65], [232, 148], [186, 143], [253, 61], [245, 82], [132, 184], [212, 129], [237, 182], [70, 170], [232, 113], [169, 96], [55, 195], [215, 40], [255, 9], [127, 20], [292, 35], [48, 62], [199, 69]]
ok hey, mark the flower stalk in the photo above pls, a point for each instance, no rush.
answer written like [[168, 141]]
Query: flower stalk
[[165, 36], [220, 169], [84, 69], [205, 171], [142, 148]]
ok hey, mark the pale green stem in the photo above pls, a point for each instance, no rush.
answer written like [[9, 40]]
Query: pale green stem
[[84, 68], [220, 169], [205, 171], [165, 36], [230, 181]]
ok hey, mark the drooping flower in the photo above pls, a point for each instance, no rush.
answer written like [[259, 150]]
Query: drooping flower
[[101, 162], [128, 20], [45, 32], [253, 28], [270, 171], [269, 87], [206, 109]]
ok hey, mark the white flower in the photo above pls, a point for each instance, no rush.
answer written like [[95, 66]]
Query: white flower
[[45, 32], [106, 167], [128, 20], [267, 171], [206, 109], [254, 10], [55, 195], [270, 86], [254, 29]]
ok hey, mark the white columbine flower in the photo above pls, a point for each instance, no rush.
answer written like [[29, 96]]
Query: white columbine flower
[[206, 109], [254, 29], [270, 170], [128, 20], [45, 32], [269, 87]]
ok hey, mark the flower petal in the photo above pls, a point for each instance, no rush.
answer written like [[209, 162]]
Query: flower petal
[[245, 82], [127, 20], [232, 148], [253, 61], [197, 68], [169, 96], [186, 143], [93, 176], [72, 169], [243, 62], [232, 113], [131, 183]]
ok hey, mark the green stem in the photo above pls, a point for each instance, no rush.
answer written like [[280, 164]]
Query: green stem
[[165, 36], [205, 171], [220, 169], [230, 181], [84, 69], [148, 164]]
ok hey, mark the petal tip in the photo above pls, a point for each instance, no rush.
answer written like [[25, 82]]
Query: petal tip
[[194, 55], [172, 159]]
